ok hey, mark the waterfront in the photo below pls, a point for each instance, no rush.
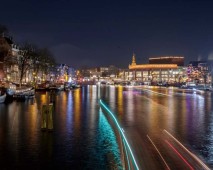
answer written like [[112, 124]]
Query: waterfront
[[83, 139]]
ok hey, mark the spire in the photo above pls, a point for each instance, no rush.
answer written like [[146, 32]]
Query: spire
[[133, 59]]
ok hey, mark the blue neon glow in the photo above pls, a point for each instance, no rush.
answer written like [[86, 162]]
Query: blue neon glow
[[107, 137], [121, 131]]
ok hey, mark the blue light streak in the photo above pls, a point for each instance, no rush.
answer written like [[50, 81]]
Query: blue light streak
[[122, 133]]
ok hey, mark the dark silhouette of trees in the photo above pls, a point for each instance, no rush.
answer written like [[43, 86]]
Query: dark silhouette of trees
[[24, 63], [35, 59], [3, 30], [5, 49]]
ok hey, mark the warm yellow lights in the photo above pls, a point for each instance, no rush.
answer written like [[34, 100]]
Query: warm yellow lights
[[154, 66], [177, 57]]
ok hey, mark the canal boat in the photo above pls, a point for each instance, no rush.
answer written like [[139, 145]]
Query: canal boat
[[74, 86], [29, 94], [24, 93], [67, 86], [42, 87], [9, 89], [56, 87]]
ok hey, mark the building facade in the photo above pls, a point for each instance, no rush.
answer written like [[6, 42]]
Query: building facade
[[157, 71], [199, 72]]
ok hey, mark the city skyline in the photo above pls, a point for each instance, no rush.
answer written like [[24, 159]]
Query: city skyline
[[104, 33]]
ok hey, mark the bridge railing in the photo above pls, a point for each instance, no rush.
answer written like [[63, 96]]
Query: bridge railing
[[128, 159]]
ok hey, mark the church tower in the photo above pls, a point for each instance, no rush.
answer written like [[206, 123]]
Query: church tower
[[133, 60]]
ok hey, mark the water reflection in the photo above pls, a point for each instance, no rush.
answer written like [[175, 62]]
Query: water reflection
[[80, 128], [108, 141], [77, 111], [92, 104], [69, 113], [129, 106], [120, 99], [186, 116]]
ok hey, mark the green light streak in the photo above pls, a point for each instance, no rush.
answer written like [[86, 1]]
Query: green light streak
[[120, 129]]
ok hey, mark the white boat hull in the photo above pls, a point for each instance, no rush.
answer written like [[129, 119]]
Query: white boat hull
[[25, 94]]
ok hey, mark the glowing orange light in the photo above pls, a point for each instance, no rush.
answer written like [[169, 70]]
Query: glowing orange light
[[154, 66]]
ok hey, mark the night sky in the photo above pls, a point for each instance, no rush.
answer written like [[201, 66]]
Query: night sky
[[103, 33]]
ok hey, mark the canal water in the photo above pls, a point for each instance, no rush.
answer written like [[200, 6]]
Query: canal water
[[82, 138]]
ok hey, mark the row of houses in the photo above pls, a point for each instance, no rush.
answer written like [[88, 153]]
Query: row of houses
[[29, 66]]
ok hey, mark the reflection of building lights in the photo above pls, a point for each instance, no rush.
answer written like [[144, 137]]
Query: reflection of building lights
[[77, 108], [120, 99]]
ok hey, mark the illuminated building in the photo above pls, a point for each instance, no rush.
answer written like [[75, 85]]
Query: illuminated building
[[100, 72], [198, 72], [8, 59], [167, 60], [157, 71], [64, 73]]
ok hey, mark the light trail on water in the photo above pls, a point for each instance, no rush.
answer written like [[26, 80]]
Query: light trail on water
[[195, 157], [158, 152], [161, 94], [122, 133], [173, 148]]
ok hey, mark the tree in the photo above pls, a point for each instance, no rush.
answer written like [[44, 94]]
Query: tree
[[36, 62], [5, 49], [3, 30], [42, 62], [47, 61], [27, 52]]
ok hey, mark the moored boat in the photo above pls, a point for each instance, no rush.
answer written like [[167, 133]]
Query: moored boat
[[24, 93], [42, 87], [2, 98], [76, 86], [57, 87], [9, 90]]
